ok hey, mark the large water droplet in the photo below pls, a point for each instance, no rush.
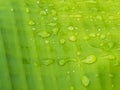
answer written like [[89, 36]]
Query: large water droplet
[[85, 81], [90, 59], [72, 38], [44, 34]]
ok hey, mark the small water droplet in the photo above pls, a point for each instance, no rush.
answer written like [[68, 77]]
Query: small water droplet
[[110, 44], [62, 62], [68, 72], [78, 53], [86, 38], [62, 41], [46, 41], [111, 75], [27, 10], [85, 81], [99, 17], [72, 38], [102, 36], [55, 31], [53, 12], [55, 18], [92, 35], [117, 63], [43, 12], [73, 71], [90, 59], [70, 28], [44, 34], [33, 29], [97, 75], [71, 87], [112, 85], [110, 57], [47, 62], [31, 22], [99, 29], [12, 9], [38, 2], [52, 24], [36, 63], [98, 34]]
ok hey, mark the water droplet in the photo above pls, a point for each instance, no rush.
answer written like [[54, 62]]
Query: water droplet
[[38, 2], [85, 81], [117, 63], [99, 17], [33, 28], [46, 41], [78, 53], [52, 24], [98, 34], [68, 72], [62, 62], [97, 75], [55, 18], [72, 38], [55, 31], [111, 57], [110, 44], [111, 75], [31, 22], [90, 59], [70, 28], [102, 36], [53, 12], [44, 34], [73, 71], [37, 63], [12, 9], [27, 10], [112, 85], [62, 41], [86, 38], [101, 44], [43, 12], [47, 62], [71, 87], [99, 29], [92, 35]]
